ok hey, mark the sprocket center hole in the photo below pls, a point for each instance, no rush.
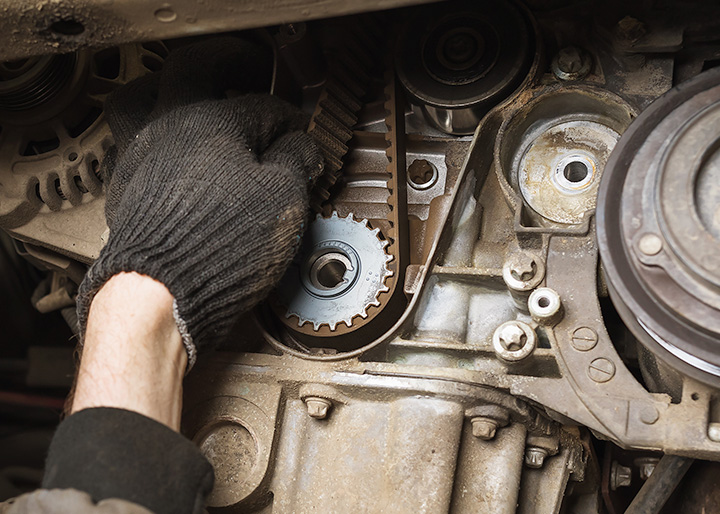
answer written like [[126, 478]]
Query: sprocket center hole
[[575, 171], [331, 272]]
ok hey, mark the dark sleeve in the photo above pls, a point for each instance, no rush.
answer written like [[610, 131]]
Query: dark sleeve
[[115, 453]]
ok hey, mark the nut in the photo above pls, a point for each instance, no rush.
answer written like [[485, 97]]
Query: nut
[[535, 457], [317, 407], [484, 428], [545, 306], [514, 341]]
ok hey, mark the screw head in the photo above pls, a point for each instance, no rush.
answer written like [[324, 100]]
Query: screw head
[[317, 407], [422, 174], [601, 370], [523, 271], [512, 337], [483, 428], [514, 341], [535, 457], [523, 267]]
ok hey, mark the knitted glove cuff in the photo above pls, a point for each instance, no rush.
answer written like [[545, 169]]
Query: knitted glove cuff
[[90, 287]]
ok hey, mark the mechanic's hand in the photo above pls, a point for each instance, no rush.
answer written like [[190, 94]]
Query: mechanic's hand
[[207, 195]]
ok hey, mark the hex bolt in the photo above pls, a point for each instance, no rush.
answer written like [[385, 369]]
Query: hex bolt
[[620, 476], [514, 340], [646, 466], [631, 29], [523, 271], [601, 370], [484, 428], [535, 457], [317, 407], [571, 63]]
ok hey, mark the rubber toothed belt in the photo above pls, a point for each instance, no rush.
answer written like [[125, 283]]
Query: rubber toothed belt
[[333, 143]]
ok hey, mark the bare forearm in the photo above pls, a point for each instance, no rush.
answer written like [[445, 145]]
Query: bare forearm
[[133, 357]]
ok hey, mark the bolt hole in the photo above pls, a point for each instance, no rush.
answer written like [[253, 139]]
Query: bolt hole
[[575, 171], [72, 157], [543, 302], [330, 274], [67, 27], [37, 192], [695, 397]]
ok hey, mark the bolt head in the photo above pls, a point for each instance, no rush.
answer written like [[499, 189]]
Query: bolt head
[[631, 29], [646, 466], [535, 457], [570, 59], [522, 267], [483, 428], [318, 408], [512, 337], [620, 476]]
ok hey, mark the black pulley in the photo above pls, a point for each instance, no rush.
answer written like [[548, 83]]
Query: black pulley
[[658, 227], [459, 59]]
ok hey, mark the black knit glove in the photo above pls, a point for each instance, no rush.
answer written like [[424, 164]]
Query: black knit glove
[[206, 195]]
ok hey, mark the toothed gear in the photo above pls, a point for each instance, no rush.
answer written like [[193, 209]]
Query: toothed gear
[[338, 275]]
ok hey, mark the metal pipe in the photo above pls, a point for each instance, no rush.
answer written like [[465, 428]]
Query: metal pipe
[[661, 484]]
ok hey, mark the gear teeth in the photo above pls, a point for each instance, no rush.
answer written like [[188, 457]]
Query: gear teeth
[[340, 102], [382, 287]]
